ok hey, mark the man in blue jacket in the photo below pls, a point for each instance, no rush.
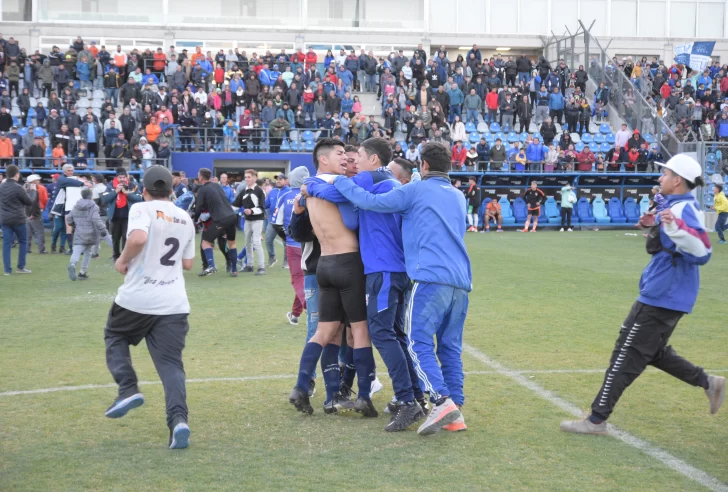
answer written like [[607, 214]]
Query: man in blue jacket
[[679, 245], [456, 99], [380, 240], [271, 203], [556, 105], [433, 228]]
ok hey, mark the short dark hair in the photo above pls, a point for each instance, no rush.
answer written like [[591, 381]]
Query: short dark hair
[[437, 156], [158, 194], [694, 184], [176, 174], [99, 178], [205, 173], [406, 165], [325, 145], [351, 148], [380, 147], [11, 171]]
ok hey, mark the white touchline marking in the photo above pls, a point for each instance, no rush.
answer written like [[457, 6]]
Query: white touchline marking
[[40, 391], [666, 458]]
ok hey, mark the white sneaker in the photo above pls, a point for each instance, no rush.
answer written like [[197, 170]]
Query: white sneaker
[[440, 416], [561, 230], [376, 386], [571, 230]]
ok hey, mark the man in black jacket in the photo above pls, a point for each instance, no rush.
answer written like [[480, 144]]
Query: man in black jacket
[[13, 200], [252, 202], [212, 199]]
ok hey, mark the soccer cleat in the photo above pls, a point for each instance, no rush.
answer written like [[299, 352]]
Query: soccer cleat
[[299, 399], [404, 415], [122, 406], [458, 425], [376, 386], [339, 403], [425, 404], [23, 270], [366, 408], [207, 271], [311, 388], [391, 407], [292, 319], [446, 412], [82, 276], [247, 269], [715, 392], [234, 274], [179, 437], [72, 272], [584, 426], [261, 271], [272, 261], [345, 391]]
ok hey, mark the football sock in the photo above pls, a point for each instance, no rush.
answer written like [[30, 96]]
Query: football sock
[[364, 362], [309, 358], [349, 368], [209, 257], [330, 368], [233, 255]]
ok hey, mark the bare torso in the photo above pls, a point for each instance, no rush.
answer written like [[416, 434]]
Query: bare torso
[[333, 236]]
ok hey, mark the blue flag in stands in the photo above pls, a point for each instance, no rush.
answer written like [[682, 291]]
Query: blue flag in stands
[[695, 55]]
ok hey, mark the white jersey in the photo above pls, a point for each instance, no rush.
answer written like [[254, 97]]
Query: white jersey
[[154, 283]]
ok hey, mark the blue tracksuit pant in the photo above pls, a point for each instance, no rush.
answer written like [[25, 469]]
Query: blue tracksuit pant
[[436, 310], [386, 294], [311, 290]]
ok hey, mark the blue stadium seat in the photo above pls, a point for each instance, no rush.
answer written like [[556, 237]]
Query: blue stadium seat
[[513, 137], [599, 138], [644, 204], [481, 211], [309, 145], [285, 146], [507, 128], [523, 136], [631, 210], [538, 136], [520, 210], [587, 138], [470, 127], [474, 137], [495, 127], [39, 132], [583, 211], [490, 139], [506, 211], [615, 211], [604, 129], [649, 138], [610, 138], [579, 147], [604, 147], [501, 135], [22, 131], [31, 112], [553, 214], [467, 145], [542, 217], [482, 127], [308, 136], [295, 146], [599, 211], [594, 147]]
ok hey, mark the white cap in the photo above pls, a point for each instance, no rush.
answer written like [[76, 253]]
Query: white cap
[[32, 178], [684, 166]]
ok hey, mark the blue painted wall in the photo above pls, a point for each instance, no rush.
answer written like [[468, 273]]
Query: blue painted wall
[[191, 162]]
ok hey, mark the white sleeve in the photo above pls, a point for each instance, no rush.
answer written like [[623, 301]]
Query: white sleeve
[[139, 219], [189, 251]]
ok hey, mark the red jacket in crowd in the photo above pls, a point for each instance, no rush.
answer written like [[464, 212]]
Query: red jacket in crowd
[[458, 156], [491, 100], [311, 59]]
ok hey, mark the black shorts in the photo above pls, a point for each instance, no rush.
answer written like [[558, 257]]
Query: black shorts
[[226, 227], [535, 211], [342, 288]]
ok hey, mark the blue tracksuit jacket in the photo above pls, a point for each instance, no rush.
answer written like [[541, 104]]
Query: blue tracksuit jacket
[[284, 210], [348, 212], [380, 234], [272, 199], [433, 227]]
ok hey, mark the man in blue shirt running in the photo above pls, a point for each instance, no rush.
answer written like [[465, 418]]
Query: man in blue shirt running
[[433, 228]]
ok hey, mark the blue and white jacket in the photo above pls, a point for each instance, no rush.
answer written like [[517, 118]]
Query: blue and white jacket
[[676, 287], [284, 211], [433, 227]]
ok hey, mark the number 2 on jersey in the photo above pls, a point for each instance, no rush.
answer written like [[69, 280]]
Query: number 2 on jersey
[[165, 260]]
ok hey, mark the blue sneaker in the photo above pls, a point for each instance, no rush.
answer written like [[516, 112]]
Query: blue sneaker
[[121, 407], [722, 241], [180, 436]]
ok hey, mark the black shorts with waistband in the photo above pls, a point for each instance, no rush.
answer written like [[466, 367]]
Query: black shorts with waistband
[[342, 288], [226, 227]]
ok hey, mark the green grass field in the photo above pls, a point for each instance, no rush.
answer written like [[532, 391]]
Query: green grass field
[[541, 303]]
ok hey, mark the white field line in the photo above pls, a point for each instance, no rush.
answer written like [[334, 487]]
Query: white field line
[[293, 376], [666, 458]]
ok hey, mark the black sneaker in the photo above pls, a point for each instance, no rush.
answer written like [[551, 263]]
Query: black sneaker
[[391, 406], [62, 251], [247, 269], [299, 399], [338, 404], [272, 261], [345, 391], [261, 271], [121, 406], [207, 271], [365, 407], [95, 256], [179, 436], [53, 250], [311, 388], [404, 415], [82, 276]]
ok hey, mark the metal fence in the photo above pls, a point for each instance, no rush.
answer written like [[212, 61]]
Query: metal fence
[[628, 100], [93, 163], [232, 139], [542, 167]]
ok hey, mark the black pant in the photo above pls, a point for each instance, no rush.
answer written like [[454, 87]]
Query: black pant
[[566, 217], [511, 80], [572, 124], [557, 115], [118, 235], [525, 125], [643, 341], [165, 336], [11, 86], [93, 149]]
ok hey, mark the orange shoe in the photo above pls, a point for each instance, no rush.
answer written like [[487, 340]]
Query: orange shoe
[[524, 230], [457, 426], [441, 415]]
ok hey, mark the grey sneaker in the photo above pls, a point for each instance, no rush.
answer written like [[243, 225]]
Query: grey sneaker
[[261, 271], [441, 415], [715, 392], [22, 270], [247, 269], [338, 404], [584, 426], [72, 272], [285, 264], [292, 319], [272, 261]]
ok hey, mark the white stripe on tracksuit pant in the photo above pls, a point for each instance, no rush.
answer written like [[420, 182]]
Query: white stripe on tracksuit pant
[[439, 311]]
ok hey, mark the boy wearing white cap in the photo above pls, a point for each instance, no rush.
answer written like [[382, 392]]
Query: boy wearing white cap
[[679, 244]]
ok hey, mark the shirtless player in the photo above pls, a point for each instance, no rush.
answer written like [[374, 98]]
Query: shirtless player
[[340, 275]]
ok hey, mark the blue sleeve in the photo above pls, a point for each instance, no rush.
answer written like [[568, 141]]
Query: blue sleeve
[[325, 191], [396, 201], [349, 215], [268, 203]]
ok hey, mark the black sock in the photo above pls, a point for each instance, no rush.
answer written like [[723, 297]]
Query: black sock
[[703, 381]]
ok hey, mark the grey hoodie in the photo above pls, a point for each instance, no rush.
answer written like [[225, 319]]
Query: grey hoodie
[[298, 176], [89, 226]]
